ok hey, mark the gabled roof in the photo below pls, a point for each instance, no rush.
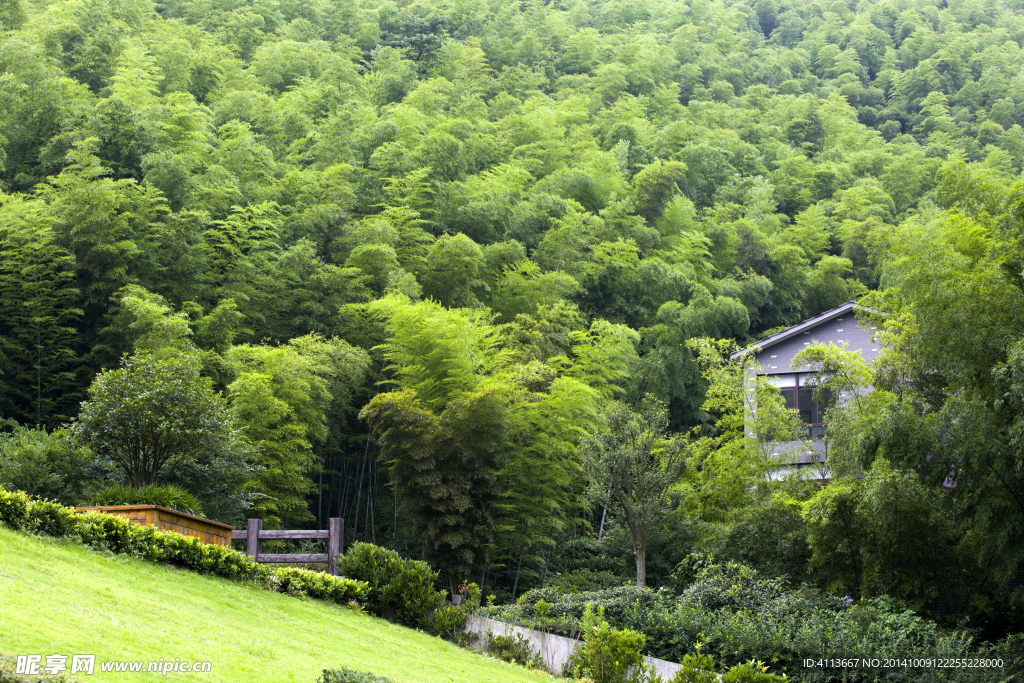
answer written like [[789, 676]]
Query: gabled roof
[[806, 325]]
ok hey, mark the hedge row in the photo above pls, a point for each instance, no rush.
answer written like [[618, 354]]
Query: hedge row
[[100, 531]]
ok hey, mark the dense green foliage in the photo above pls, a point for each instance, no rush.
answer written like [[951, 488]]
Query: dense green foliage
[[734, 615], [514, 648], [397, 263]]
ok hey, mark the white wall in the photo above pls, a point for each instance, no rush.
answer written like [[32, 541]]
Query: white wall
[[554, 650]]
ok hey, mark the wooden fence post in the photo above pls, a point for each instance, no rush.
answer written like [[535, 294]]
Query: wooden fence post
[[252, 538], [335, 537]]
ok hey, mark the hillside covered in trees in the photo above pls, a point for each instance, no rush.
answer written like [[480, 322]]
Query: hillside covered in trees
[[421, 265]]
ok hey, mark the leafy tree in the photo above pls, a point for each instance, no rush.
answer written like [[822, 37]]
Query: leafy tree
[[754, 434], [452, 273], [631, 467], [151, 416], [884, 535]]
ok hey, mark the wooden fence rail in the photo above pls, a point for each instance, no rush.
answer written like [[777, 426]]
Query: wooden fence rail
[[254, 535]]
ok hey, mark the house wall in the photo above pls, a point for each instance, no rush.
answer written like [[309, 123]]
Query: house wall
[[846, 329]]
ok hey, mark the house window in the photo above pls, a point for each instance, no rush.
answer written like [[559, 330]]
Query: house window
[[800, 397]]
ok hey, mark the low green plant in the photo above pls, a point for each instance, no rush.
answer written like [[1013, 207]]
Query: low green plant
[[400, 589], [750, 672], [697, 668], [346, 675], [448, 620], [164, 495], [117, 535], [514, 648], [606, 655]]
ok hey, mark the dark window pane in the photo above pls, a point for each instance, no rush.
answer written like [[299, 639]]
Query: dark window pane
[[787, 396], [806, 402], [820, 406]]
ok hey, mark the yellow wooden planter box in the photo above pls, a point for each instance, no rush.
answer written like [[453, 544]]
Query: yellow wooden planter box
[[205, 530]]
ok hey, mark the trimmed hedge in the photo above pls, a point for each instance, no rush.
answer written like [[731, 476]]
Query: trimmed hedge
[[101, 531], [400, 588]]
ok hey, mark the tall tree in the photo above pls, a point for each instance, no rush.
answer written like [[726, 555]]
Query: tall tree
[[631, 467], [38, 316]]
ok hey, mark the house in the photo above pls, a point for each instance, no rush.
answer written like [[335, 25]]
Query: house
[[773, 357]]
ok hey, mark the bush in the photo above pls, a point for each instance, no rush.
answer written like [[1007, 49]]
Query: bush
[[585, 580], [448, 620], [772, 538], [750, 672], [514, 648], [48, 465], [14, 508], [399, 588], [164, 495], [346, 675], [606, 655], [106, 532], [625, 607], [697, 668]]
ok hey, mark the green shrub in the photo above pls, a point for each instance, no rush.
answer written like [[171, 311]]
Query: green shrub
[[346, 675], [304, 582], [101, 531], [401, 589], [625, 607], [514, 648], [14, 508], [697, 668], [448, 620], [49, 465], [164, 495], [772, 538], [606, 655], [750, 672]]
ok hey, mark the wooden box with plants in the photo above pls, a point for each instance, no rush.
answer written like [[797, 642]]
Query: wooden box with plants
[[206, 530]]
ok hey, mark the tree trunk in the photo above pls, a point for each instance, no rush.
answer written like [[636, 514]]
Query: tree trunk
[[519, 568], [641, 567]]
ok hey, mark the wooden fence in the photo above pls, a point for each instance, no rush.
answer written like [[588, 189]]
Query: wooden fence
[[254, 535]]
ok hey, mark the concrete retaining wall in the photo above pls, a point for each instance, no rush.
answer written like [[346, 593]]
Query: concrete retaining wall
[[554, 650]]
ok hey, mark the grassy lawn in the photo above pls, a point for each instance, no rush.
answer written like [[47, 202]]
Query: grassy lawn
[[60, 598]]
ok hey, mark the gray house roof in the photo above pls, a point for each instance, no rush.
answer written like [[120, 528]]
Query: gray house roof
[[838, 326]]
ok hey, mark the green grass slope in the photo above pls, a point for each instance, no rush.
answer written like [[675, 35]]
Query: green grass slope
[[57, 597]]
